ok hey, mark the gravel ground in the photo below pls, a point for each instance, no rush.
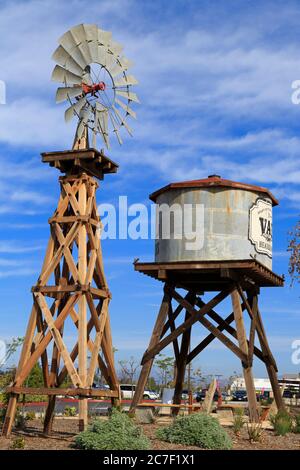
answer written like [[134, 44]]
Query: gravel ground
[[65, 430]]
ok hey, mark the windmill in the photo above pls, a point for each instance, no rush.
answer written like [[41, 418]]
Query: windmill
[[72, 286]]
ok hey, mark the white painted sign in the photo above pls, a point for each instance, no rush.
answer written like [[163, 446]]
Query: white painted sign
[[260, 226]]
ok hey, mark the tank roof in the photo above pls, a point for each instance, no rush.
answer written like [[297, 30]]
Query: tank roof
[[214, 181]]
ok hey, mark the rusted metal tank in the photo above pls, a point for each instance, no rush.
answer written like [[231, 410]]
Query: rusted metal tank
[[213, 219]]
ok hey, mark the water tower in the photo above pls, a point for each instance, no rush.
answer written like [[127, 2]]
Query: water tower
[[212, 236]]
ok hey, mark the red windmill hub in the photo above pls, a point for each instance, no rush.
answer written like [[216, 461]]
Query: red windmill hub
[[93, 89]]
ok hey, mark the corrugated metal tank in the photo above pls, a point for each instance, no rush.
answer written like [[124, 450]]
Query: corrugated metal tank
[[229, 221]]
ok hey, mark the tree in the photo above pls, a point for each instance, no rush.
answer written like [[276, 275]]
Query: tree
[[35, 378], [11, 348], [294, 249], [165, 366], [129, 368]]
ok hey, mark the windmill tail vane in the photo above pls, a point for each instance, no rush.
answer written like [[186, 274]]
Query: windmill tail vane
[[96, 84]]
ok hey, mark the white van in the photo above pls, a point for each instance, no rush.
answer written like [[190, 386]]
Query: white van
[[128, 390]]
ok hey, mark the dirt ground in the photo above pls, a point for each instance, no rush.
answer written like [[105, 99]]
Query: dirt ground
[[65, 429]]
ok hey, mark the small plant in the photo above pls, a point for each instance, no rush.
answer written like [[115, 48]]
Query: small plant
[[197, 429], [238, 420], [282, 422], [296, 427], [117, 433], [18, 443], [20, 420], [70, 411], [30, 415], [254, 432]]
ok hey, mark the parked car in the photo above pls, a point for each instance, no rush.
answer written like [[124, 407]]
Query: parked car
[[150, 395], [128, 390], [201, 395], [290, 394], [239, 395]]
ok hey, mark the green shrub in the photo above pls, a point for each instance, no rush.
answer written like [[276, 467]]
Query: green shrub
[[296, 427], [254, 432], [30, 415], [18, 443], [196, 430], [70, 411], [282, 423], [238, 420], [117, 433]]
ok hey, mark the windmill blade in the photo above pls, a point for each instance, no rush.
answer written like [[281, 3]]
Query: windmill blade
[[63, 58], [75, 109], [116, 48], [86, 78], [106, 58], [91, 32], [78, 33], [64, 93], [101, 118], [85, 51], [126, 80], [93, 48], [91, 35], [62, 75], [122, 64], [84, 115], [68, 42], [126, 108], [127, 94], [104, 37], [122, 121], [115, 128]]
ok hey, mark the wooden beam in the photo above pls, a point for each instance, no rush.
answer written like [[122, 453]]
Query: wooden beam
[[156, 334], [196, 316], [73, 392], [76, 379], [247, 370]]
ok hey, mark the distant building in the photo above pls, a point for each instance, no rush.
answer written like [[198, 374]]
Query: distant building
[[261, 384]]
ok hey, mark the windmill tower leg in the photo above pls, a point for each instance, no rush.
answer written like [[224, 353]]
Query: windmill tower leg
[[72, 285]]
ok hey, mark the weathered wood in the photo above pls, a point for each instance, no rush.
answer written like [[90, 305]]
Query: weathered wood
[[76, 391], [196, 316], [247, 370], [209, 397], [181, 365], [156, 334], [82, 305], [74, 259]]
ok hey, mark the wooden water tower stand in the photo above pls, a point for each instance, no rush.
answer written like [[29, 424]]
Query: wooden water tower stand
[[240, 280], [72, 284]]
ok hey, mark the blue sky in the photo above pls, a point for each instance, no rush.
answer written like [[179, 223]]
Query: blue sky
[[215, 89]]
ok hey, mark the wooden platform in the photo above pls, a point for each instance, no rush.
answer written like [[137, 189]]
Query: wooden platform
[[93, 162], [211, 275]]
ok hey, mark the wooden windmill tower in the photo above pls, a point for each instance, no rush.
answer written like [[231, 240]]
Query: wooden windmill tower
[[72, 285], [230, 256]]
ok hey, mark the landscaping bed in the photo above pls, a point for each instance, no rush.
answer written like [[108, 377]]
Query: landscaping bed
[[65, 429]]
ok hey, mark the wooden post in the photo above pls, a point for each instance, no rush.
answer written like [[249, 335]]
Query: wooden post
[[181, 366], [156, 334], [247, 369], [82, 329], [270, 366]]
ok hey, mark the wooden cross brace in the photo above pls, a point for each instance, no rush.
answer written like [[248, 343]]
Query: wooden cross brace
[[197, 311]]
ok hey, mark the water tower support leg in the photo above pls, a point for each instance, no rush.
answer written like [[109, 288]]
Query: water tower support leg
[[267, 358], [247, 368], [156, 334], [181, 366]]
